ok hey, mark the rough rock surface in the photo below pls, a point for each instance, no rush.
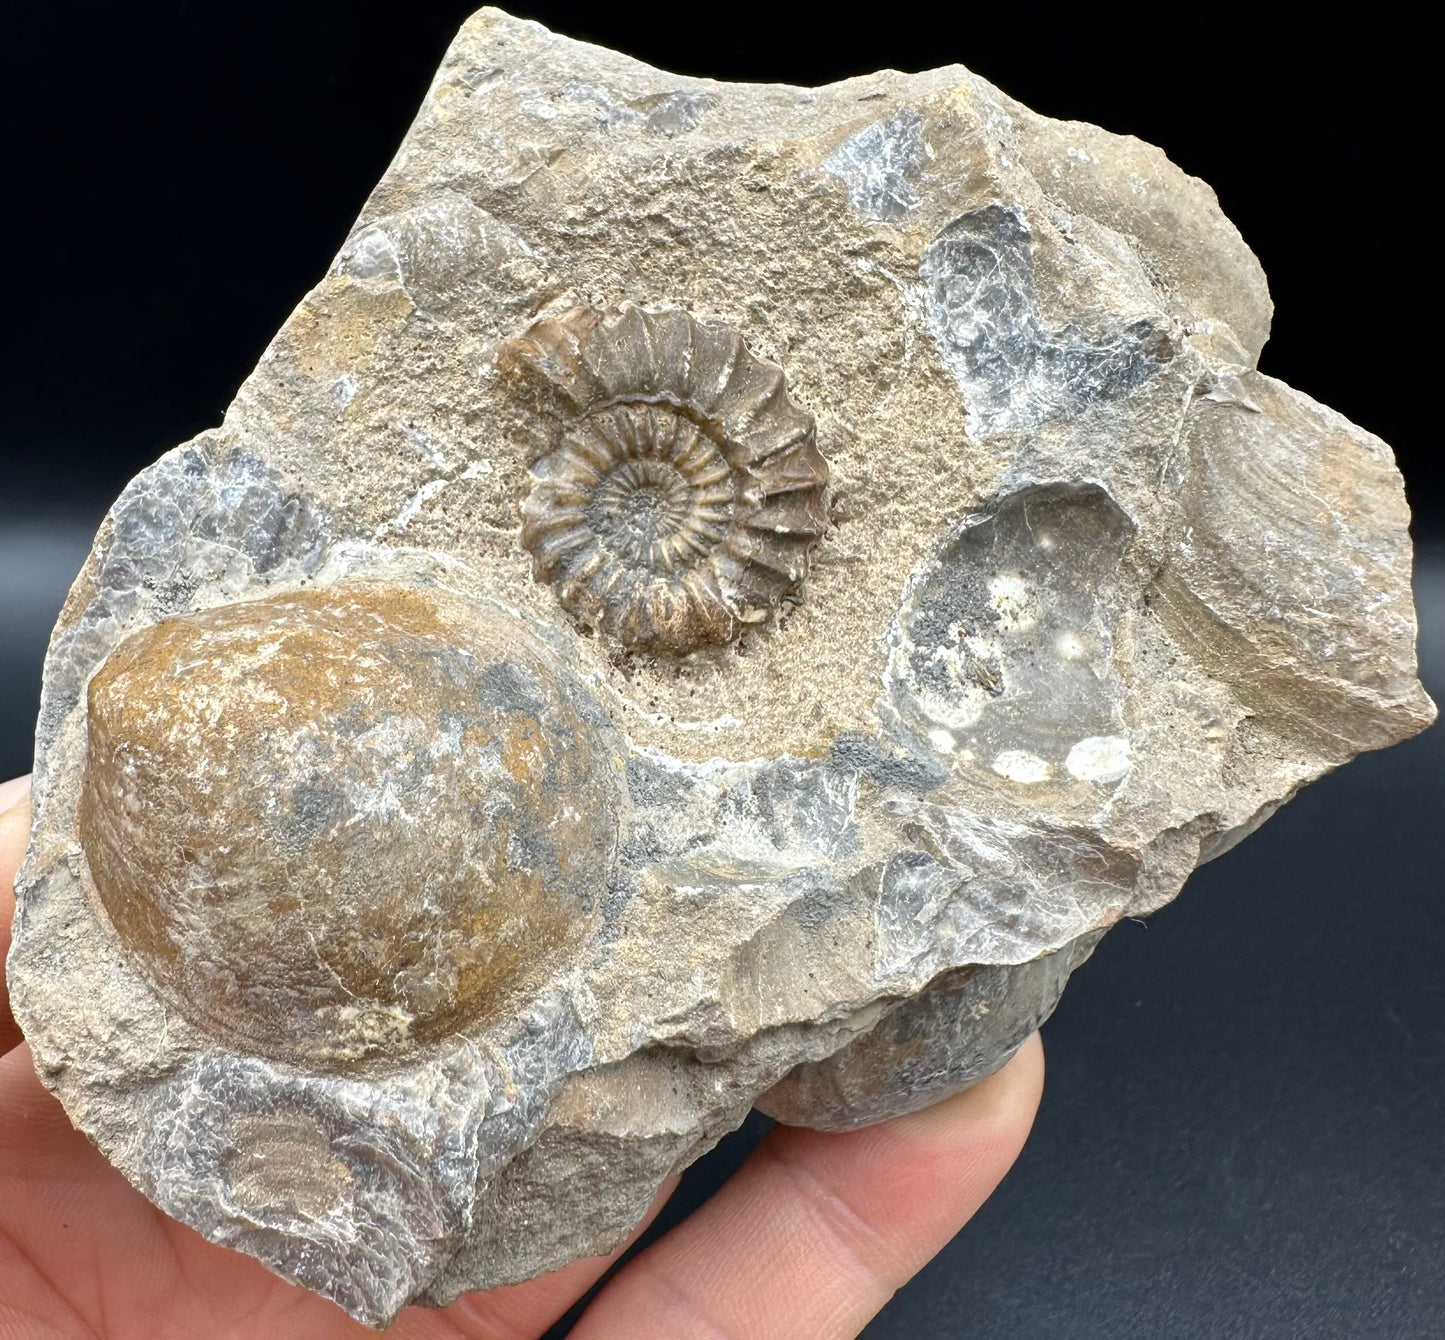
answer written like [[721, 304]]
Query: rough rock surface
[[721, 595]]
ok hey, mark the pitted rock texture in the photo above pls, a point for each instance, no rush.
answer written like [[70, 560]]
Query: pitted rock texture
[[720, 596]]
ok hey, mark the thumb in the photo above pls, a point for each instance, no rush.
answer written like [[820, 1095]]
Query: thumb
[[14, 830]]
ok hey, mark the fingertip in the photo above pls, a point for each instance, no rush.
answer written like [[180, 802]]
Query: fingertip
[[14, 834], [1007, 1099], [532, 1306], [817, 1230]]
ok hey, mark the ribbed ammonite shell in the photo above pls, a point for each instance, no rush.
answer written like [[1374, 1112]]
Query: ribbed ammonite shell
[[687, 491]]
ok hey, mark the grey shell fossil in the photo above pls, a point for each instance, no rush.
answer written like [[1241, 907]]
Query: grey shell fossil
[[686, 493]]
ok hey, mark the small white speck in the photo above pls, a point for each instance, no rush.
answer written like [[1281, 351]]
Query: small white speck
[[344, 389], [1018, 765], [1069, 647], [941, 740], [1099, 758], [475, 469], [1006, 586]]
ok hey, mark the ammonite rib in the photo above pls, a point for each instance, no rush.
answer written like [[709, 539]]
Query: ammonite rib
[[687, 493]]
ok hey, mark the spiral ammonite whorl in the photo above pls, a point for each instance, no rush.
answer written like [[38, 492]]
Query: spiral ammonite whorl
[[687, 491]]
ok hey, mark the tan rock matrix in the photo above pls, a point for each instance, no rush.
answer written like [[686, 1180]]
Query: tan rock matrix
[[720, 596]]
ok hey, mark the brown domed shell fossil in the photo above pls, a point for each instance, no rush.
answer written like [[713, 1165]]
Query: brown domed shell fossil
[[686, 493], [336, 822]]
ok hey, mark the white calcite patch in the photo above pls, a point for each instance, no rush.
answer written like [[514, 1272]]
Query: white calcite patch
[[1018, 765], [343, 390], [1099, 758], [1012, 603], [1069, 646]]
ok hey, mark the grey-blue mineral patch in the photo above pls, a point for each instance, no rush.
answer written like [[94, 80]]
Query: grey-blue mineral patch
[[880, 164], [980, 889], [901, 769], [776, 818], [189, 506], [604, 109], [666, 114], [982, 309], [199, 526]]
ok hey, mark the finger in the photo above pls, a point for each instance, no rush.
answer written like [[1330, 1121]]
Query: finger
[[14, 832], [57, 1198], [816, 1231], [526, 1310]]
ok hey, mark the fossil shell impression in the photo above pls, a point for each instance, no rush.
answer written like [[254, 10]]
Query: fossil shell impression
[[687, 491]]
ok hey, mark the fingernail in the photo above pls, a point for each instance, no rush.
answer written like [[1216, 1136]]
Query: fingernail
[[13, 792]]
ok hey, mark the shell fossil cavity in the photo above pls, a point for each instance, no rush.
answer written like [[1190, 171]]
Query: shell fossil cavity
[[687, 490]]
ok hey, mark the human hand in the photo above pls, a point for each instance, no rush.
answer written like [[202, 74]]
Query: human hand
[[808, 1240]]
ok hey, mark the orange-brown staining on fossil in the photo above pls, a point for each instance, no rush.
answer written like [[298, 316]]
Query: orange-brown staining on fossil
[[686, 493], [346, 820]]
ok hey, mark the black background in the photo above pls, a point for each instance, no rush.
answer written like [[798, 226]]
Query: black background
[[1242, 1134]]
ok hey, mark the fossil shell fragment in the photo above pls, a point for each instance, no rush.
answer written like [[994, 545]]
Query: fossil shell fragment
[[340, 821], [687, 491]]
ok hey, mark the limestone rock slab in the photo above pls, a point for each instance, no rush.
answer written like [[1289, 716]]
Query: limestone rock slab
[[721, 595]]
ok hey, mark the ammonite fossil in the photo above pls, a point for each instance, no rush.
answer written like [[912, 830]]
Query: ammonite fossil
[[687, 490]]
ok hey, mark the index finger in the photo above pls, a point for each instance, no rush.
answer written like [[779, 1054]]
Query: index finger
[[816, 1231]]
